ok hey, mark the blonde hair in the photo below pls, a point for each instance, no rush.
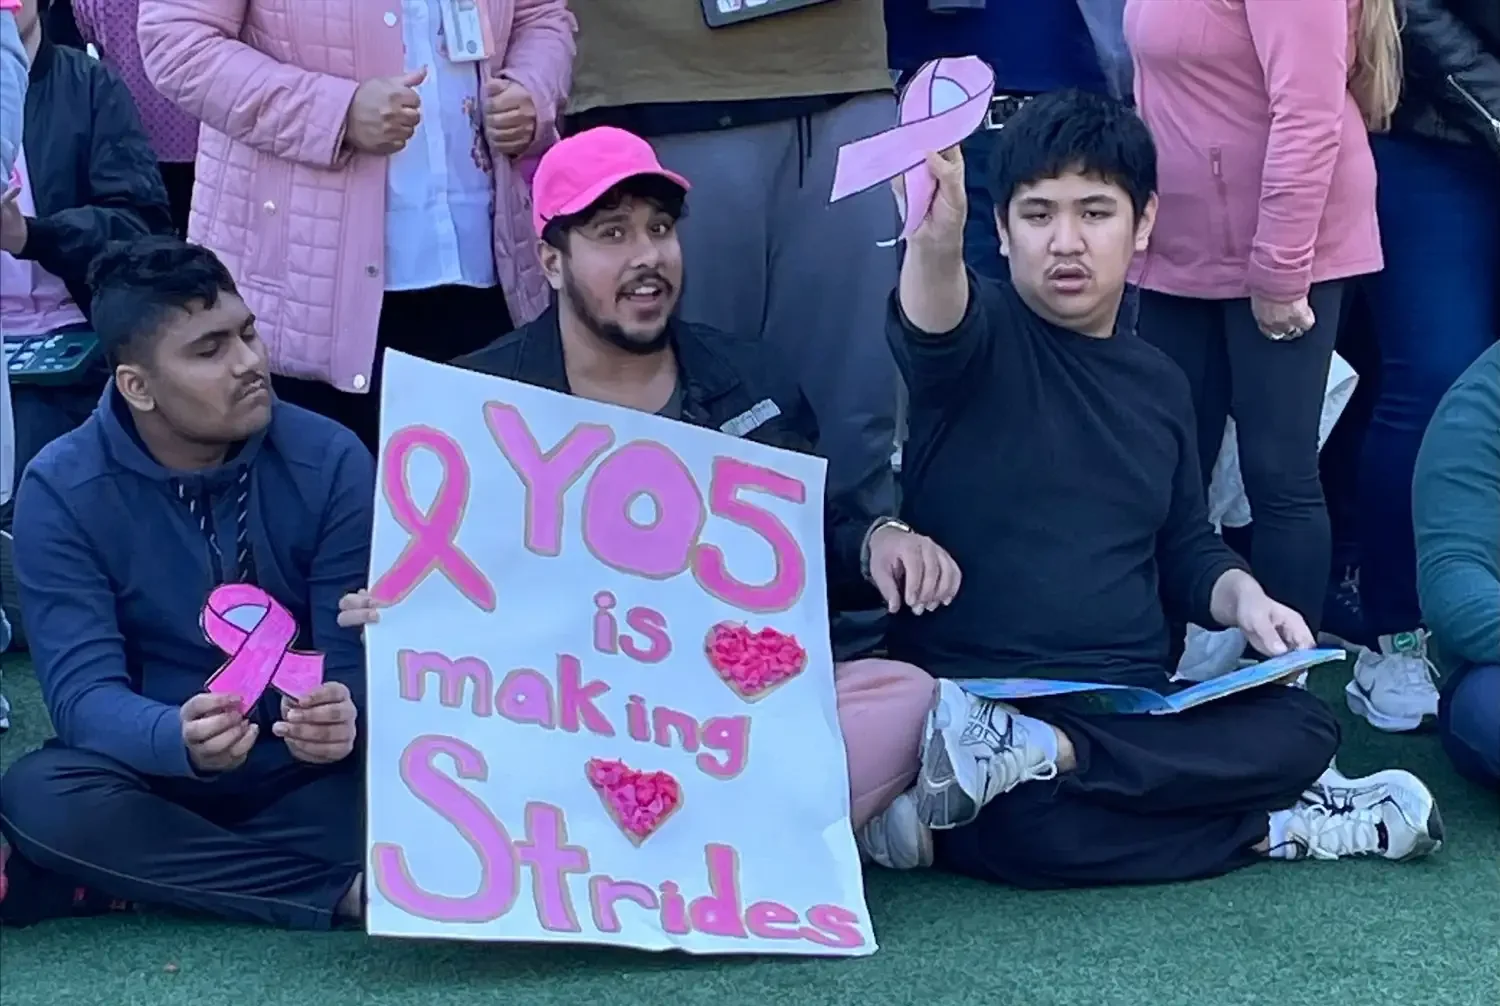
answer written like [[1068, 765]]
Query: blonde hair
[[1375, 77]]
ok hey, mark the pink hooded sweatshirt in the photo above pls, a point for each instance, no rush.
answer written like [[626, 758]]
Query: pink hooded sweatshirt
[[300, 226], [1267, 184]]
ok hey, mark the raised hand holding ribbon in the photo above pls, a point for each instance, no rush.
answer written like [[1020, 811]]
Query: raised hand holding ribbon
[[261, 657], [948, 208], [943, 103]]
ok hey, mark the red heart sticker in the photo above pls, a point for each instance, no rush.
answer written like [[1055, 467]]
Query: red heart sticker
[[640, 802], [753, 663]]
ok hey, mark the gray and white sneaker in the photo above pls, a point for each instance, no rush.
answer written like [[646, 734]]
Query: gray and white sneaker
[[1395, 689], [974, 751], [1390, 814], [897, 839]]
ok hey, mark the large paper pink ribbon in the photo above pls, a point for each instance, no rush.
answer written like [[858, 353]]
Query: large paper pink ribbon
[[261, 657], [920, 130]]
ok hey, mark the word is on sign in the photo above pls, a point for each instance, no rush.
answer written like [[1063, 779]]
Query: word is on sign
[[599, 693]]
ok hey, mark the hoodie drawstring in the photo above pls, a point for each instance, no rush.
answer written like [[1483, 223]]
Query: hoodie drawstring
[[200, 507]]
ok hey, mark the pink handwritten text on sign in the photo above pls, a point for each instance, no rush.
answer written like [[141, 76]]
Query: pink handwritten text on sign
[[945, 101], [546, 853], [672, 542]]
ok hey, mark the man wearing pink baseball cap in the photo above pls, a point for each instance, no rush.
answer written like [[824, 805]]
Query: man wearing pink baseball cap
[[606, 214]]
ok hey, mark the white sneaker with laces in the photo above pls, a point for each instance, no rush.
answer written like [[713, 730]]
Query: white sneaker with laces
[[1390, 814], [896, 839], [974, 751], [1396, 688]]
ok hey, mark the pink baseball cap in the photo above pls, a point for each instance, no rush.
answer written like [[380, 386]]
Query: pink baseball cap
[[575, 172]]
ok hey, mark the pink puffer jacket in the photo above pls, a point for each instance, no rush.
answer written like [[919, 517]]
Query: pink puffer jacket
[[301, 227]]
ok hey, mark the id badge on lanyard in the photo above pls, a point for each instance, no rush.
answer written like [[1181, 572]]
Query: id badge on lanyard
[[466, 28]]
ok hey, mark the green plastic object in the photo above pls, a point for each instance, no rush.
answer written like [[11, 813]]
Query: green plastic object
[[56, 359]]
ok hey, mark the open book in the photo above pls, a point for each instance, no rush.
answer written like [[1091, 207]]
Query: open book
[[1130, 699]]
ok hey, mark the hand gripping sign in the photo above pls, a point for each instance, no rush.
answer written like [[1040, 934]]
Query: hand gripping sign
[[261, 657], [943, 103]]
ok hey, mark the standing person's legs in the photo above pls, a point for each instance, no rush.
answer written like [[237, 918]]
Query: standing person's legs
[[1434, 310], [437, 324], [981, 233], [287, 859], [726, 245], [178, 178], [1191, 333], [43, 413], [829, 292], [1277, 404], [766, 253], [883, 705], [1469, 721]]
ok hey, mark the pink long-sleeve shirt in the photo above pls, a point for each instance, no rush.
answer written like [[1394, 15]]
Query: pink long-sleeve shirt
[[1266, 180]]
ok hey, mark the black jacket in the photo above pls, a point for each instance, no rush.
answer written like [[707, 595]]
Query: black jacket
[[92, 170], [726, 380], [1452, 88]]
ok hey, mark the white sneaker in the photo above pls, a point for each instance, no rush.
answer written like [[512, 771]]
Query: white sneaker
[[1396, 688], [974, 751], [896, 839], [1390, 814]]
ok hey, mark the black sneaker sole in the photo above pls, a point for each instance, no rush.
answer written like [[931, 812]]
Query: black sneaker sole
[[1436, 833]]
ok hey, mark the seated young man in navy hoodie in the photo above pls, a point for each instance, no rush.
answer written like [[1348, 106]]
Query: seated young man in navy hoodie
[[188, 475]]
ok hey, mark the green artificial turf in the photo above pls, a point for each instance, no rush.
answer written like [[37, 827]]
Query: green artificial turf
[[1292, 934]]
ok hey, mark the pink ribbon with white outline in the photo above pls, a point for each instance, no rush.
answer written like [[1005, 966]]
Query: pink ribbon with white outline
[[920, 130], [261, 657]]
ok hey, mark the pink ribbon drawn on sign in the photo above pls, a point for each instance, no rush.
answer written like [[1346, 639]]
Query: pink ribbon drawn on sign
[[261, 657], [921, 129]]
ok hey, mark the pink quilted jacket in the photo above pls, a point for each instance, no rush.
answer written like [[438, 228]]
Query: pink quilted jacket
[[300, 226]]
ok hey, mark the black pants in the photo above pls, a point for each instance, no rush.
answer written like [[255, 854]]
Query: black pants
[[1154, 799], [1274, 391], [42, 413], [437, 324], [283, 852], [178, 178]]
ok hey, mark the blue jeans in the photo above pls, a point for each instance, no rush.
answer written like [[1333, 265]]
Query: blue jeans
[[981, 236], [1469, 720], [1434, 310]]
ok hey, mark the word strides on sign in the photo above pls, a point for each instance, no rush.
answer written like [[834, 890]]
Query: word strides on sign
[[601, 698]]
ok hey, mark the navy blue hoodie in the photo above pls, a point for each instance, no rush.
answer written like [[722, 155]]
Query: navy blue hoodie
[[116, 555]]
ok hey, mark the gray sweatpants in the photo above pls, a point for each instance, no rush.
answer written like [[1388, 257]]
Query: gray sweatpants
[[766, 253]]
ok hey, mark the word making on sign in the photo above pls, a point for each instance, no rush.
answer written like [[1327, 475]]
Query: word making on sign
[[557, 719]]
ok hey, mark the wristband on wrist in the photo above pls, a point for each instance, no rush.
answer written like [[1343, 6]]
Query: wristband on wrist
[[864, 547]]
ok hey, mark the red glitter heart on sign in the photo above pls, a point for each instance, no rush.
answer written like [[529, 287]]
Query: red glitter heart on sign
[[753, 663], [640, 802]]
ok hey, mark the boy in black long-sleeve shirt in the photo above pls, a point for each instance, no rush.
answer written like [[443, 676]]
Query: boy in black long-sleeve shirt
[[1054, 457]]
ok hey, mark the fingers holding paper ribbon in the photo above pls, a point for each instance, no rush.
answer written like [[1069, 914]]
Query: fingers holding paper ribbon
[[944, 102]]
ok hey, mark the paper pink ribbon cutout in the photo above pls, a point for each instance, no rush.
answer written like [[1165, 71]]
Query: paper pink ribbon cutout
[[261, 657], [920, 130]]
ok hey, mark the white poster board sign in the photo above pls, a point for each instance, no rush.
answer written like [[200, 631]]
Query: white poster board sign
[[601, 703]]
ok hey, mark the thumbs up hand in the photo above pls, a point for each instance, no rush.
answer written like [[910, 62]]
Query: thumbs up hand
[[385, 113]]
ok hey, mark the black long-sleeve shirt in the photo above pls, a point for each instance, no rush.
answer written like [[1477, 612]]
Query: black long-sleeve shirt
[[93, 173], [1060, 471]]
